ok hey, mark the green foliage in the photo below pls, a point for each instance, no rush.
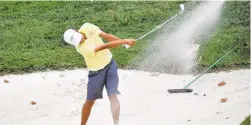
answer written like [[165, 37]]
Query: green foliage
[[31, 32], [233, 30], [246, 121]]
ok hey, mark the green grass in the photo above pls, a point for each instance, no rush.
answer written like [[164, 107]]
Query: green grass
[[233, 29], [31, 32], [246, 121]]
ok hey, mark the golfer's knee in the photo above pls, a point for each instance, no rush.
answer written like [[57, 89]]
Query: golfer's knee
[[113, 98], [89, 102], [115, 106]]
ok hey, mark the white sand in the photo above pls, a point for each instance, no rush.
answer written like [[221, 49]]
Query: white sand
[[144, 100]]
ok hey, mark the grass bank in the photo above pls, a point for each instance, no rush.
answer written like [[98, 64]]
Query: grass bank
[[246, 121], [233, 30], [31, 32]]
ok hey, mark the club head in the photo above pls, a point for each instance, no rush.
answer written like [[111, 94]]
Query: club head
[[180, 90], [182, 7]]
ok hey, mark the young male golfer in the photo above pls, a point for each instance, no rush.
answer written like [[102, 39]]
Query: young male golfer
[[102, 68]]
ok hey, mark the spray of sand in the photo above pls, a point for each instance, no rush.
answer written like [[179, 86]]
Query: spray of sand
[[174, 49]]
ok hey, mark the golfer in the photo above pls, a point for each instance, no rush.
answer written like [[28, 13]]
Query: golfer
[[102, 68]]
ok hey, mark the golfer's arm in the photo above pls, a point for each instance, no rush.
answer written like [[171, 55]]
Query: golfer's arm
[[112, 44], [108, 37]]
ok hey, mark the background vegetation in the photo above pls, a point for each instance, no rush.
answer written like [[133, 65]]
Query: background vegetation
[[233, 30], [31, 32], [246, 121]]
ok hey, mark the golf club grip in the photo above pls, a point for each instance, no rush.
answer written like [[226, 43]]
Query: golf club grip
[[127, 46]]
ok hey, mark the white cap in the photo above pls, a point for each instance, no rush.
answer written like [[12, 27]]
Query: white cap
[[72, 37]]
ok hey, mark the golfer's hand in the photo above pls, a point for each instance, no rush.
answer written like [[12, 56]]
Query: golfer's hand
[[130, 42]]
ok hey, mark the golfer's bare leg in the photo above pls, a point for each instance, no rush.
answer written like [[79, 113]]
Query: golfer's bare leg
[[86, 111], [115, 108]]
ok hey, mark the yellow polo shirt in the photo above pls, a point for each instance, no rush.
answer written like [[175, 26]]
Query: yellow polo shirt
[[94, 60]]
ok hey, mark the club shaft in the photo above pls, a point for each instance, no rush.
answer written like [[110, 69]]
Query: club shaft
[[159, 26]]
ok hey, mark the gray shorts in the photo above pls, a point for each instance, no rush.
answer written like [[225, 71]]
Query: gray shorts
[[107, 77]]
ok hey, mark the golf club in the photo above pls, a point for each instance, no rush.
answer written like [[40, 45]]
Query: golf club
[[182, 7]]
